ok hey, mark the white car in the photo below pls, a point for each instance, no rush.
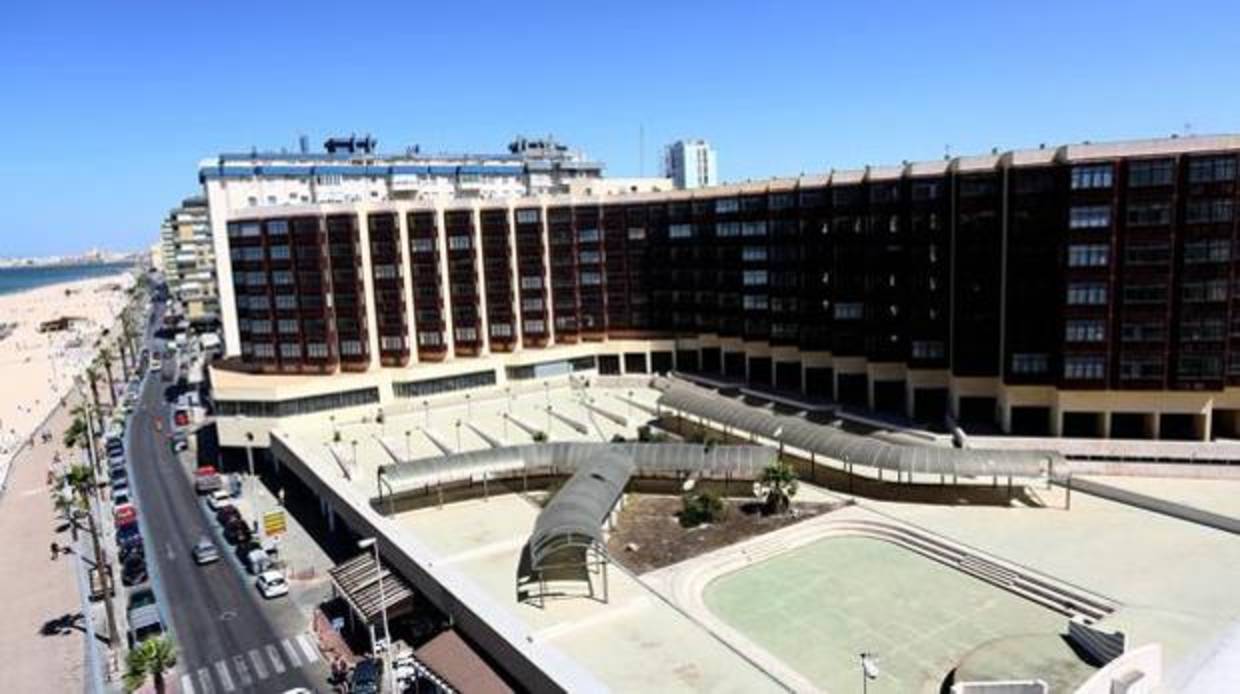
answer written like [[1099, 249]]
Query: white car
[[219, 498], [271, 584], [156, 366]]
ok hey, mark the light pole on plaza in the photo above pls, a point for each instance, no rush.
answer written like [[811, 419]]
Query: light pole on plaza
[[869, 670]]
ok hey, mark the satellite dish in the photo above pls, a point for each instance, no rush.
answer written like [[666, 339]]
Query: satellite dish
[[689, 484]]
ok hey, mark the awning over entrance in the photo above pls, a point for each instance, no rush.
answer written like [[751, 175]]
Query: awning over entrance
[[358, 583]]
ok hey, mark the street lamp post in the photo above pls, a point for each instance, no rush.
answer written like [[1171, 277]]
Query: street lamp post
[[249, 459], [372, 543], [458, 436], [869, 670], [408, 450], [426, 410], [547, 392], [469, 407]]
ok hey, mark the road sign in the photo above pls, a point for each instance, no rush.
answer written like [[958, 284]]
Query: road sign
[[274, 523]]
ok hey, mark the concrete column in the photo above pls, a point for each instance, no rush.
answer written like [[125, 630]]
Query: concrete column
[[869, 395], [406, 274], [445, 282], [910, 396], [368, 287], [1154, 425], [1106, 424], [484, 323]]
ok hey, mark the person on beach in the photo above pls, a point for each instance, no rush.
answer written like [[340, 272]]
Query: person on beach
[[55, 551]]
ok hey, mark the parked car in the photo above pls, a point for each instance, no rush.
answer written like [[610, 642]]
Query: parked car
[[256, 559], [156, 365], [205, 552], [238, 532], [140, 598], [133, 571], [365, 679], [124, 515], [128, 537], [207, 479], [120, 497], [218, 498], [226, 513], [271, 584], [179, 442], [144, 623], [180, 418]]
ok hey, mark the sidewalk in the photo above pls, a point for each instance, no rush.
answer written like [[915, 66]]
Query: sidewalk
[[42, 643]]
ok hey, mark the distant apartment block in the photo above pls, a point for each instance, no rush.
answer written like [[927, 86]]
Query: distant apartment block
[[691, 164], [188, 259], [1079, 290]]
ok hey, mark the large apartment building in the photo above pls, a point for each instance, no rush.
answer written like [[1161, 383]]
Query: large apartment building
[[188, 260], [1078, 290]]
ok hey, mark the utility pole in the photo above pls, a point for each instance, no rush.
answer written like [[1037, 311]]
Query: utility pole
[[105, 572]]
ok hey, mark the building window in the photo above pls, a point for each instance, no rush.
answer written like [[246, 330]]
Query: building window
[[466, 334], [459, 242], [391, 343], [263, 350], [591, 279], [782, 201], [443, 384], [727, 229], [422, 244], [1203, 330], [588, 235], [1088, 255], [753, 228], [277, 227], [1030, 363], [260, 327], [926, 190], [385, 272], [351, 348], [531, 305], [848, 311], [316, 350], [1212, 170], [755, 302], [1148, 253], [286, 302], [1091, 177], [286, 326], [1140, 368], [753, 253], [290, 350], [754, 278], [1143, 174], [726, 205], [1087, 293], [589, 257], [1086, 367], [1208, 251], [1145, 293], [1089, 216], [1208, 211], [1148, 214], [1204, 291], [527, 216], [282, 277], [928, 349], [1085, 331], [680, 231], [534, 326], [1199, 367], [1148, 331], [501, 330], [430, 338], [637, 233], [278, 252], [531, 282]]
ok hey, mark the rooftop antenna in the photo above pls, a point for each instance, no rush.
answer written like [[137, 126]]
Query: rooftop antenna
[[641, 150], [947, 151]]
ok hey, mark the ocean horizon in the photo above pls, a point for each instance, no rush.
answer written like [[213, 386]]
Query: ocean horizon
[[18, 279]]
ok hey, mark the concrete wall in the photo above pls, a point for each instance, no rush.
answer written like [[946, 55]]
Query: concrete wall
[[1001, 687], [1138, 671]]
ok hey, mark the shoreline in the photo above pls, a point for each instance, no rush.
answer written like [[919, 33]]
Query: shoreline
[[40, 368]]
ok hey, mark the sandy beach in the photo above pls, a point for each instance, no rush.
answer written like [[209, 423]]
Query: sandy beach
[[37, 369]]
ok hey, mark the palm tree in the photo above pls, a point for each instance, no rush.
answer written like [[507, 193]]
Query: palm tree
[[92, 377], [81, 481], [780, 482], [151, 658], [105, 357]]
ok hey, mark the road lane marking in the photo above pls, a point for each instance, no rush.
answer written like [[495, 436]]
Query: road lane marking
[[291, 652], [226, 682], [204, 681], [276, 663], [243, 672], [260, 668], [311, 654], [187, 684]]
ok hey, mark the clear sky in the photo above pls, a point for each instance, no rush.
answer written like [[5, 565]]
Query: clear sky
[[108, 106]]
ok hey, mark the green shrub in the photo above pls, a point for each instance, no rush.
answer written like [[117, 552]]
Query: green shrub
[[701, 507]]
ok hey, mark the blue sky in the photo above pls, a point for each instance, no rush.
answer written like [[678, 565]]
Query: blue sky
[[110, 105]]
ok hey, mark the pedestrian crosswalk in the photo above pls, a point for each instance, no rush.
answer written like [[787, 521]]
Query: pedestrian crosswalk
[[246, 671]]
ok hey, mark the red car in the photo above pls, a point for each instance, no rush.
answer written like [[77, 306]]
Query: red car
[[125, 514], [180, 418]]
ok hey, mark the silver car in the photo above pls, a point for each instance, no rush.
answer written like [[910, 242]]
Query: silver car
[[205, 552]]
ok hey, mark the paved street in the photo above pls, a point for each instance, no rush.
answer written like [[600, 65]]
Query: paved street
[[230, 639]]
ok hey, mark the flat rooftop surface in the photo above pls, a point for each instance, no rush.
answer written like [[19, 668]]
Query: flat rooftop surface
[[1175, 580], [818, 606], [1217, 496], [636, 642]]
